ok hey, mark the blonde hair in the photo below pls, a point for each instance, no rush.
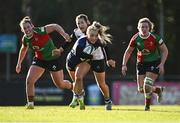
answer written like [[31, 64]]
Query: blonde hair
[[101, 30], [26, 19], [146, 20]]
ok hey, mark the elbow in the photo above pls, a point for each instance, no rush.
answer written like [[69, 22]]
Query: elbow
[[55, 27]]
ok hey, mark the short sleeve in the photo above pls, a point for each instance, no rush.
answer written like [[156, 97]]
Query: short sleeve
[[23, 41], [40, 30], [132, 41], [158, 38]]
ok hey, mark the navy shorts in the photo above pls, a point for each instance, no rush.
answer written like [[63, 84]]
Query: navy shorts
[[143, 67], [98, 65], [51, 65]]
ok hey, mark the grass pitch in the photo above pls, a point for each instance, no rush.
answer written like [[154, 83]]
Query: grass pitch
[[92, 114]]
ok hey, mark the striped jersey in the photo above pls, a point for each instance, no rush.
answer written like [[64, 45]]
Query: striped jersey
[[147, 48], [40, 43]]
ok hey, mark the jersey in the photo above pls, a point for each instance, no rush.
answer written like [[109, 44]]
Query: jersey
[[82, 46], [40, 43], [77, 33], [147, 48], [81, 51], [100, 53]]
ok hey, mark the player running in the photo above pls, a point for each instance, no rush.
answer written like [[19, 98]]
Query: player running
[[37, 39], [151, 56]]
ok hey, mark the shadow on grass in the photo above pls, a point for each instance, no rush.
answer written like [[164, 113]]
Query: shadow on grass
[[152, 110]]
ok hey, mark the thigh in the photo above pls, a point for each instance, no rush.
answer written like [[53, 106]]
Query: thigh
[[57, 76], [152, 75], [100, 77], [82, 69], [152, 67], [140, 80], [98, 65], [140, 69], [54, 65], [34, 73], [71, 69], [38, 62], [72, 75]]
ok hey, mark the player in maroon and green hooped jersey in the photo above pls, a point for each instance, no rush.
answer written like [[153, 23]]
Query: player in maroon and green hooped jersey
[[38, 40], [151, 56]]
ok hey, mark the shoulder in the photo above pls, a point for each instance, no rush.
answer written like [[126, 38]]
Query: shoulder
[[24, 40], [157, 38], [39, 30], [154, 35], [134, 37], [78, 33], [82, 40], [133, 40], [100, 44]]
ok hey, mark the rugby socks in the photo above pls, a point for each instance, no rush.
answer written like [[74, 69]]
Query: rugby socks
[[148, 99], [30, 103], [107, 100]]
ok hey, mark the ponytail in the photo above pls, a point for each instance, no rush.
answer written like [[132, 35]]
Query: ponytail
[[103, 35]]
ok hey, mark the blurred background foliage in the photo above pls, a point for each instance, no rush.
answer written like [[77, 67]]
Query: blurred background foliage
[[120, 15]]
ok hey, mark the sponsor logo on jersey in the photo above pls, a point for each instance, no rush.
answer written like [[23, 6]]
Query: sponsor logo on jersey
[[145, 52], [37, 48]]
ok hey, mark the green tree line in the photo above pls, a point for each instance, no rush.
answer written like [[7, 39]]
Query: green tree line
[[120, 15]]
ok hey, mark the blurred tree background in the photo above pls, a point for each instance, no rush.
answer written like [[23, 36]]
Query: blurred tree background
[[120, 15]]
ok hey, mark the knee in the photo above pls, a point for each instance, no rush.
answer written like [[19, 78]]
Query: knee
[[148, 83]]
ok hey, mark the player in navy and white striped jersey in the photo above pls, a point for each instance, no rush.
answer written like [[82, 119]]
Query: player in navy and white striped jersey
[[99, 61]]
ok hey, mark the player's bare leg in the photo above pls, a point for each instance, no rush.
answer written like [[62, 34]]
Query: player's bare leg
[[33, 75], [81, 71], [58, 79], [100, 79]]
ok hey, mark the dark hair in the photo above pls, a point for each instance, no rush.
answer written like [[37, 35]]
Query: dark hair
[[83, 16]]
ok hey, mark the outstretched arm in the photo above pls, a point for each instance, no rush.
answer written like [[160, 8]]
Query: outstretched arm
[[126, 57], [55, 27], [110, 62], [164, 54], [22, 54]]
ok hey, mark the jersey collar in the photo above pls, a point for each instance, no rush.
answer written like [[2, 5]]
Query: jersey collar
[[145, 37]]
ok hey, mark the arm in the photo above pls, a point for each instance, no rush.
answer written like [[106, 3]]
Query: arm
[[126, 57], [22, 54], [107, 52], [55, 27], [65, 46], [81, 54], [110, 61], [68, 45], [164, 54]]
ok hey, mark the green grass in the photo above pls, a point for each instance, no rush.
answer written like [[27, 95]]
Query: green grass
[[92, 114]]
